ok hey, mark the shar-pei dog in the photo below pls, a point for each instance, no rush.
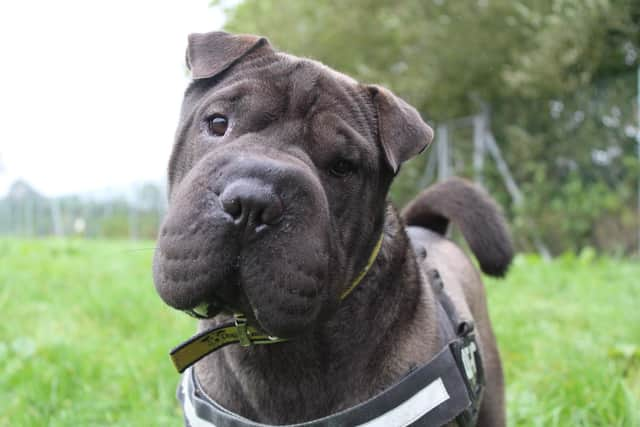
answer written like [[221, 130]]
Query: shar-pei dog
[[319, 303]]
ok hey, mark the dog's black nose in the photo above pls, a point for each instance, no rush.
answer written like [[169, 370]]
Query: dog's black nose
[[252, 204]]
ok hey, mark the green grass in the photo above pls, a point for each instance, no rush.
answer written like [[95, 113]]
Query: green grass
[[84, 338], [569, 335]]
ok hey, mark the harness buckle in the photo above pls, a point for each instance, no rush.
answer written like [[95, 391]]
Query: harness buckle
[[467, 356], [241, 327]]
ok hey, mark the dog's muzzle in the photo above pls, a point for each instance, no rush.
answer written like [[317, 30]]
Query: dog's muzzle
[[247, 231]]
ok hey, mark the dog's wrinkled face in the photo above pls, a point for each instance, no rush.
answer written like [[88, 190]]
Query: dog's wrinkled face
[[277, 182]]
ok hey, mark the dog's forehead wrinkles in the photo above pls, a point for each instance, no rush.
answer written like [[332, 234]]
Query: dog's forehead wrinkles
[[305, 87], [317, 89]]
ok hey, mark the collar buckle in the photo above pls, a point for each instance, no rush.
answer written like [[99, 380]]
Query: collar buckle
[[244, 337]]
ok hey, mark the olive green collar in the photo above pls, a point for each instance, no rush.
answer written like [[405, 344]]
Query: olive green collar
[[238, 331], [206, 342], [366, 268]]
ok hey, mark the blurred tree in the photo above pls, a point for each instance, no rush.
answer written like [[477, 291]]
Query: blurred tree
[[437, 53]]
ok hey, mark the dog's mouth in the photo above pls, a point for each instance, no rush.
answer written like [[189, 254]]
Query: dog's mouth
[[279, 291], [205, 310], [289, 319]]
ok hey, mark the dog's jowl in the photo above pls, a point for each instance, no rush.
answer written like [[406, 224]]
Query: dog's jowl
[[320, 304]]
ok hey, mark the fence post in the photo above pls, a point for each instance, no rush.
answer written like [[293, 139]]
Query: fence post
[[429, 172], [514, 191], [133, 221], [638, 144], [29, 216], [56, 217], [479, 129], [442, 136]]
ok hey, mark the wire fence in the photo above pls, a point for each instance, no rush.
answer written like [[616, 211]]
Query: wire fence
[[135, 214], [566, 169]]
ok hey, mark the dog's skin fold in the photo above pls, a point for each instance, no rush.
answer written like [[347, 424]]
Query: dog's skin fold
[[277, 210]]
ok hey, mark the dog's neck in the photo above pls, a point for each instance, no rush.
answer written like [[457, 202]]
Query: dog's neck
[[365, 347]]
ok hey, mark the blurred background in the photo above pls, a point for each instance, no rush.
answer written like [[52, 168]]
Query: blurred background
[[536, 100]]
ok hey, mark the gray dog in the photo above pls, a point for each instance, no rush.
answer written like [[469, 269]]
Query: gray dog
[[279, 233]]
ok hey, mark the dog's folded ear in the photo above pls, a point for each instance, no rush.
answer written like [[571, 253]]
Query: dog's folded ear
[[401, 130], [209, 54]]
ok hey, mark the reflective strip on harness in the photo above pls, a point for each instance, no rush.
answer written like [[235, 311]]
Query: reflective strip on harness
[[416, 407]]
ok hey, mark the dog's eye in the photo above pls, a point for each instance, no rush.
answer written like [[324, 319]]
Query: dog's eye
[[342, 168], [217, 125]]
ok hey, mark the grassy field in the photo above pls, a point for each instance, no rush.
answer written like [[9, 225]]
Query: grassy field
[[84, 338]]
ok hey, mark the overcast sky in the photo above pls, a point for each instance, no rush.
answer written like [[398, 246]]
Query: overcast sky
[[90, 91]]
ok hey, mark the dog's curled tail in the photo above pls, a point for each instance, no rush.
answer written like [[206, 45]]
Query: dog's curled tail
[[474, 212]]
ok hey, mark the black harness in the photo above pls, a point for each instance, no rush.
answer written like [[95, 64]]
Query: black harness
[[446, 389]]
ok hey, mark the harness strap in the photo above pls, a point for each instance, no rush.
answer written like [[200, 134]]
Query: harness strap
[[432, 395], [459, 334]]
